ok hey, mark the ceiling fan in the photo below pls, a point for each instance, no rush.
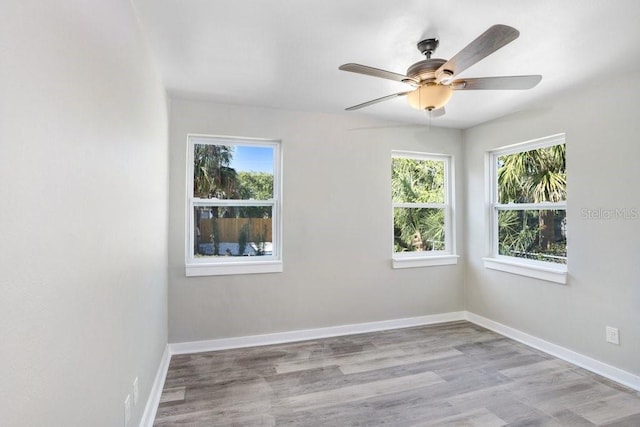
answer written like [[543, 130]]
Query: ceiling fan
[[434, 80]]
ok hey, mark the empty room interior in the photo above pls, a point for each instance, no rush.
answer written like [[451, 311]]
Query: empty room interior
[[314, 213]]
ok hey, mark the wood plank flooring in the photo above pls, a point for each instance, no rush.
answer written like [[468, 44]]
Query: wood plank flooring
[[454, 374]]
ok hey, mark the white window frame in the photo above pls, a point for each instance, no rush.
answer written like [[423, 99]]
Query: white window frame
[[429, 258], [234, 265], [549, 271]]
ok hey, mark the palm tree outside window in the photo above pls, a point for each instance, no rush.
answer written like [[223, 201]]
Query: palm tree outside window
[[529, 201]]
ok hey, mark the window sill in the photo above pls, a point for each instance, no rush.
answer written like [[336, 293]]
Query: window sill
[[424, 261], [550, 273], [229, 268]]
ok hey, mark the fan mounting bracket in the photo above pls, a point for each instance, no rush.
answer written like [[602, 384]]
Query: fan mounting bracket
[[428, 46]]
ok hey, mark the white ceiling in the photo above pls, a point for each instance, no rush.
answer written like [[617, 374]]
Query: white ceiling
[[286, 53]]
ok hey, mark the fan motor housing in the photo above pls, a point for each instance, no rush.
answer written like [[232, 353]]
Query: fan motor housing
[[424, 70]]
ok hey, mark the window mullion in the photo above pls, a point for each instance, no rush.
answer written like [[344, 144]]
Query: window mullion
[[232, 202], [420, 205], [530, 206]]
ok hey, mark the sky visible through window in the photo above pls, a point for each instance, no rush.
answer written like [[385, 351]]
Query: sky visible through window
[[252, 159]]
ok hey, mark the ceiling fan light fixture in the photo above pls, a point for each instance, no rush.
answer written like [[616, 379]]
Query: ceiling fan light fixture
[[430, 96]]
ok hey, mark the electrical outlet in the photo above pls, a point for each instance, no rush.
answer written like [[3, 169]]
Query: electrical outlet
[[613, 336], [127, 410], [135, 391]]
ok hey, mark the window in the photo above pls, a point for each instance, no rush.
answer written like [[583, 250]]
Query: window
[[528, 209], [421, 190], [233, 206]]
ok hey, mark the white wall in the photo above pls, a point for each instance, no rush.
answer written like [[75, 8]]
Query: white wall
[[337, 228], [602, 127], [83, 246]]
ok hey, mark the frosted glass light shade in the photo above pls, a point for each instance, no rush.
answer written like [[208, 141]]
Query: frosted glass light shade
[[430, 96]]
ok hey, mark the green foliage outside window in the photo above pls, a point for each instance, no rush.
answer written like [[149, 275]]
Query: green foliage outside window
[[534, 176], [212, 176], [215, 178], [418, 181]]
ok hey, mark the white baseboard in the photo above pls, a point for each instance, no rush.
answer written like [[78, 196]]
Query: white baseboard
[[623, 377], [309, 334], [153, 401]]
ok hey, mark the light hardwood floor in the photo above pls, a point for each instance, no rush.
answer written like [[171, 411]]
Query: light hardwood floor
[[454, 374]]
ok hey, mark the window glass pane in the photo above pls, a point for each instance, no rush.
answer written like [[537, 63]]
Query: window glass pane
[[417, 181], [533, 234], [233, 171], [232, 231], [532, 176], [418, 229]]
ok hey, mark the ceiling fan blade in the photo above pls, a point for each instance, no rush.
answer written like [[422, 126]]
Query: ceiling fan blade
[[376, 72], [375, 101], [497, 83], [488, 42]]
